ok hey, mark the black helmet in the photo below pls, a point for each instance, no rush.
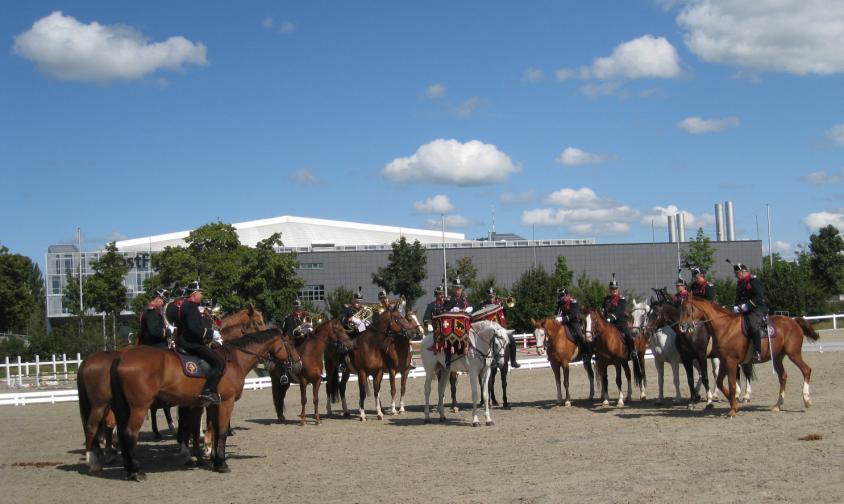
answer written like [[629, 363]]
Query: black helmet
[[680, 281], [613, 282], [562, 291], [490, 292], [456, 284], [438, 291], [192, 287], [357, 296], [297, 304], [738, 266], [698, 271], [382, 294], [160, 292]]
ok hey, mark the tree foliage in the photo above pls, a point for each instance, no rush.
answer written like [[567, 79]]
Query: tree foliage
[[70, 297], [104, 290], [725, 291], [535, 292], [478, 296], [588, 291], [562, 274], [405, 271], [790, 288], [21, 292], [826, 260], [335, 300], [700, 253], [465, 269]]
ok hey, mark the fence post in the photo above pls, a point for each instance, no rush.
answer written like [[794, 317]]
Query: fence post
[[37, 371], [64, 365], [8, 373], [20, 372], [835, 321]]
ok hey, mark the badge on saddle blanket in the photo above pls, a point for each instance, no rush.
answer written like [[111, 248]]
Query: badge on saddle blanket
[[452, 327], [193, 366]]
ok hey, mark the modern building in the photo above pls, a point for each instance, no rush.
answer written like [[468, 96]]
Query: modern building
[[336, 253]]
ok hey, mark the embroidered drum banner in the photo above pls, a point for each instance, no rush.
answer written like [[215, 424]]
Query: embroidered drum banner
[[452, 327]]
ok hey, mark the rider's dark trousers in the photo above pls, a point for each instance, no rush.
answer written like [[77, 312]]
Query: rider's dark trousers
[[213, 358], [755, 320], [628, 337]]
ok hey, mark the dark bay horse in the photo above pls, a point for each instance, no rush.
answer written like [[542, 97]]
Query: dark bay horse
[[238, 324], [367, 360], [142, 374], [94, 392], [397, 355], [733, 346], [561, 350], [609, 348], [327, 335]]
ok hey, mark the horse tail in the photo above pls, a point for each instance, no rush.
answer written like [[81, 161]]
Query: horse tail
[[640, 360], [748, 371], [807, 328], [637, 370], [84, 400], [120, 406], [332, 386]]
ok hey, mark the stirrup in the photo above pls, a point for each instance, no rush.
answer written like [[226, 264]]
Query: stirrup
[[757, 355], [207, 397], [284, 380]]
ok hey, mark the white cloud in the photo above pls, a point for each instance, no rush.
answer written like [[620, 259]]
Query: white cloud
[[451, 222], [794, 36], [304, 176], [435, 204], [836, 133], [697, 125], [268, 22], [817, 220], [659, 214], [573, 156], [582, 211], [534, 74], [66, 49], [435, 91], [822, 178], [508, 197], [564, 74], [287, 27], [644, 57], [783, 247], [468, 107], [453, 162]]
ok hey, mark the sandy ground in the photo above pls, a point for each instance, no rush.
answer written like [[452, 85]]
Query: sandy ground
[[536, 452]]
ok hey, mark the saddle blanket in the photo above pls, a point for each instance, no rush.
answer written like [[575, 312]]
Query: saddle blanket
[[193, 366], [766, 330]]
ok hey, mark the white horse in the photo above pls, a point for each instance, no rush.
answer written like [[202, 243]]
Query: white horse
[[486, 340]]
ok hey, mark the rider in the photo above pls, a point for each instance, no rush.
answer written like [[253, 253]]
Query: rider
[[752, 304], [153, 330], [294, 321], [384, 300], [173, 309], [192, 337], [682, 292], [568, 314], [353, 324], [456, 303], [435, 307], [701, 288], [614, 310], [493, 300]]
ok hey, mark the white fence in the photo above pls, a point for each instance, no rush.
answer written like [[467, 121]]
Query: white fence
[[834, 317], [40, 372]]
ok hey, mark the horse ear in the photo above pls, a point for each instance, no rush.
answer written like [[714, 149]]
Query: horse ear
[[534, 323], [251, 309]]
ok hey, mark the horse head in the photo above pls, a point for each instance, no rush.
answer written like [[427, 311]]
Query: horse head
[[411, 317], [282, 352], [539, 334], [691, 316], [335, 334], [397, 324], [639, 313]]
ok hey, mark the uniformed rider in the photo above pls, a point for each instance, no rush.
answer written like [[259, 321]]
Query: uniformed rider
[[682, 291], [701, 288], [752, 303], [193, 337], [615, 307], [173, 310], [353, 324], [458, 301], [493, 300], [435, 307], [568, 314], [153, 330], [293, 325]]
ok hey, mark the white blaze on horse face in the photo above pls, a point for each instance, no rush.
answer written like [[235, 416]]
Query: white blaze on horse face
[[539, 336], [589, 336]]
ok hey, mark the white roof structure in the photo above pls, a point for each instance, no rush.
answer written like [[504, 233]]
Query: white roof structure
[[302, 232]]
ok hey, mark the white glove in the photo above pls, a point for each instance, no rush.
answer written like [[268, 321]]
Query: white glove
[[217, 338], [455, 309], [361, 327], [468, 310], [430, 328], [355, 321], [172, 329], [559, 319]]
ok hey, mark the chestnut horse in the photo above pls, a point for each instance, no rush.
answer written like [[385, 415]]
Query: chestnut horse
[[609, 348], [246, 321], [367, 359], [142, 374], [397, 355], [733, 346], [327, 335], [553, 336]]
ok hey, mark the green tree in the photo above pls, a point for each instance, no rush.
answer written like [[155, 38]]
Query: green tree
[[268, 279], [588, 291], [535, 292], [405, 271], [105, 290], [700, 253], [21, 291], [70, 297], [335, 300], [466, 270], [827, 261], [725, 291], [789, 286], [562, 274], [477, 296]]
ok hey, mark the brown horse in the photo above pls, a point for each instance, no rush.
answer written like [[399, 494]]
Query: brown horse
[[367, 359], [94, 392], [561, 350], [609, 348], [397, 355], [246, 321], [143, 374], [733, 347], [327, 335]]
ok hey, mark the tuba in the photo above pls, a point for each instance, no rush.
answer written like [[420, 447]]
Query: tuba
[[510, 301], [314, 318]]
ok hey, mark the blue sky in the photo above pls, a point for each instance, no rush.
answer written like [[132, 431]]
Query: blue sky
[[573, 119]]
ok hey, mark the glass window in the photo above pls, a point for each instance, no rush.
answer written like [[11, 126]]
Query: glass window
[[312, 293], [56, 284], [310, 266]]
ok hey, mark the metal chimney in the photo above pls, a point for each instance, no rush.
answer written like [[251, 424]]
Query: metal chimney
[[672, 229], [681, 226], [719, 222], [731, 227]]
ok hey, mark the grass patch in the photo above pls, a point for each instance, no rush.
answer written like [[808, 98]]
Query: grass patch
[[811, 437]]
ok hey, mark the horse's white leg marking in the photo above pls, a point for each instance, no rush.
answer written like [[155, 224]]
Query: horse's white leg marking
[[807, 397], [473, 380], [441, 383], [660, 376]]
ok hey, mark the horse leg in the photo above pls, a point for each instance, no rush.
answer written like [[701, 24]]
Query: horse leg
[[797, 359], [303, 395], [130, 436], [222, 418], [278, 393], [492, 372], [587, 364], [429, 376], [363, 384], [626, 367], [675, 369], [473, 382], [315, 388], [659, 362], [452, 381], [731, 377], [704, 377], [484, 381], [555, 367], [93, 426], [392, 410], [504, 372], [403, 388], [602, 372], [688, 365], [441, 389], [169, 417], [747, 372], [566, 383], [153, 415], [376, 390], [782, 374]]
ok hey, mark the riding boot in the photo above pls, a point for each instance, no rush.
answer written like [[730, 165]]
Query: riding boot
[[757, 345], [631, 348], [513, 362], [209, 393]]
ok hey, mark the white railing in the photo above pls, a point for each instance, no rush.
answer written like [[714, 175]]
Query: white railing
[[39, 372], [834, 317]]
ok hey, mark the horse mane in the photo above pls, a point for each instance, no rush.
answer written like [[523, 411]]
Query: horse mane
[[255, 337], [715, 306]]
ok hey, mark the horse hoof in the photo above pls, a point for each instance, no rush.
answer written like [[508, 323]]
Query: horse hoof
[[136, 476], [95, 471], [506, 406], [568, 404], [732, 414], [427, 421], [476, 424], [775, 409], [222, 469], [171, 427], [709, 405], [380, 417], [605, 403], [490, 423], [807, 403], [346, 414], [362, 419], [455, 410]]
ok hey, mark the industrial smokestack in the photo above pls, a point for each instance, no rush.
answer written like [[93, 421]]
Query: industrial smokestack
[[672, 229], [731, 226], [719, 222], [681, 226]]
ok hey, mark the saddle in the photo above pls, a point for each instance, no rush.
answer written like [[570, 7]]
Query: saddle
[[767, 328], [193, 366]]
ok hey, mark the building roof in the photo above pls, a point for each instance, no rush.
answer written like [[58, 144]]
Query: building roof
[[302, 232]]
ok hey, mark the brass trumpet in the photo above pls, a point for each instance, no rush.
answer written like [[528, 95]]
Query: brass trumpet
[[314, 319], [510, 301]]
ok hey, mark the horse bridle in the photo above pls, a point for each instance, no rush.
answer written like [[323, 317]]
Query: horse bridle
[[287, 363]]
